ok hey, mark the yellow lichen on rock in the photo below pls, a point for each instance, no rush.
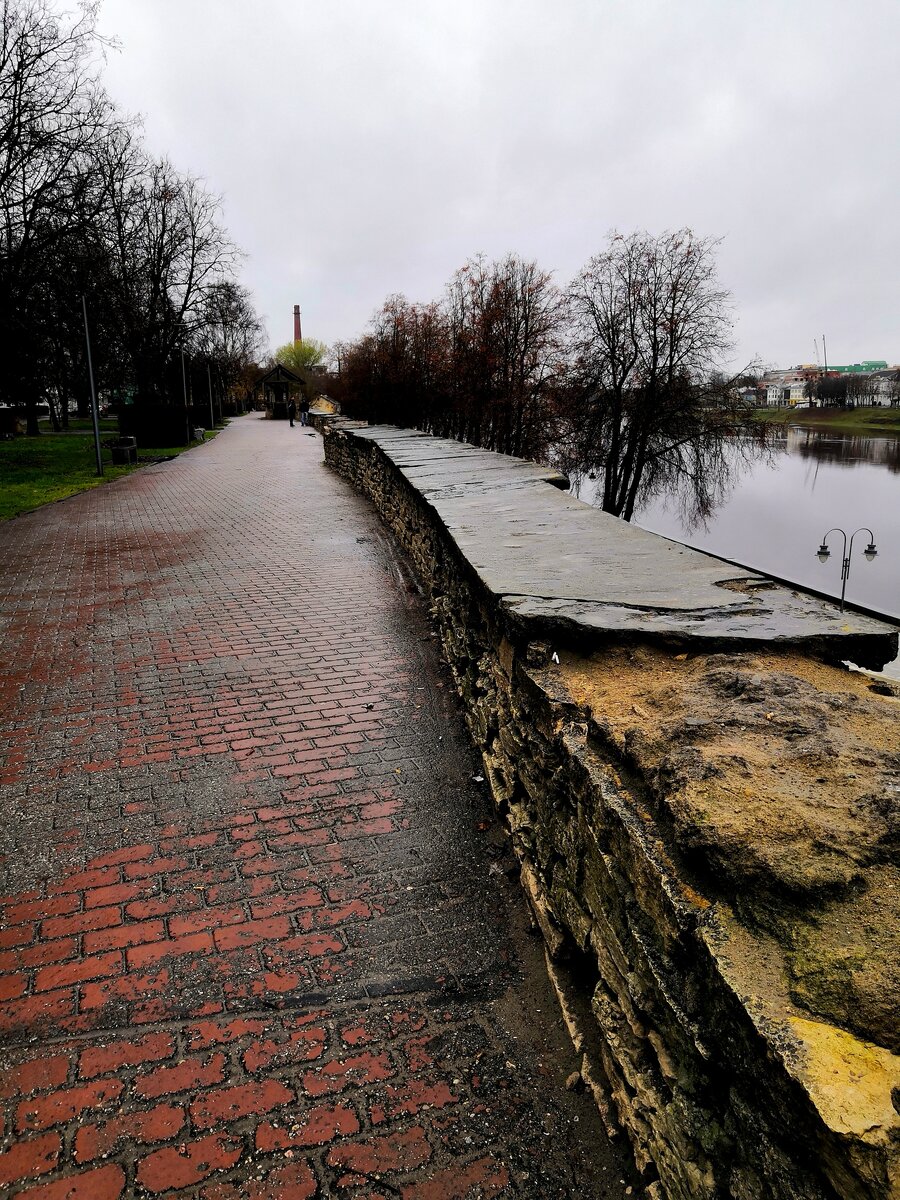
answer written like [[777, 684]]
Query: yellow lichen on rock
[[850, 1081]]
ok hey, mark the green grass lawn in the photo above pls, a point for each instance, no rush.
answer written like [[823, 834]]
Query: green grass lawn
[[870, 421], [36, 471], [108, 425]]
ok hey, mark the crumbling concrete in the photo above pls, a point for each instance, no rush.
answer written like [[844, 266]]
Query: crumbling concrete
[[706, 812]]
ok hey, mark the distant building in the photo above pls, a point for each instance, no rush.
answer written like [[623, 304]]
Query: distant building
[[868, 382], [787, 389], [861, 368], [886, 387]]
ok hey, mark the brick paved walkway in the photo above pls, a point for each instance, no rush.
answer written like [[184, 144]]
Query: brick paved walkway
[[258, 937]]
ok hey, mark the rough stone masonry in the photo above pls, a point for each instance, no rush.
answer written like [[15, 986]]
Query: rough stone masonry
[[705, 808]]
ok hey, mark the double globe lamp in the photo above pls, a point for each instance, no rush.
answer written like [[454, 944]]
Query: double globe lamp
[[823, 553]]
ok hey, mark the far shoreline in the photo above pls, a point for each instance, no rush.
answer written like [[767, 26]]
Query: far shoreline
[[870, 421]]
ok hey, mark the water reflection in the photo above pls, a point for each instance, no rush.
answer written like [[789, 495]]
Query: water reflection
[[697, 476], [841, 449], [780, 506]]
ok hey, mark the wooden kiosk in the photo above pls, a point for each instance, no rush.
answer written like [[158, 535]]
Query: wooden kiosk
[[278, 385]]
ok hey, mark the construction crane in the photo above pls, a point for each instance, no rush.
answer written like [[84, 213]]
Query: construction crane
[[818, 360]]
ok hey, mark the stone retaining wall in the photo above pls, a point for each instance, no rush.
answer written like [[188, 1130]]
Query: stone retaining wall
[[704, 809]]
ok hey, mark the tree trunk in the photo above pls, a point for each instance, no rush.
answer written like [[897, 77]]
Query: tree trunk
[[32, 429]]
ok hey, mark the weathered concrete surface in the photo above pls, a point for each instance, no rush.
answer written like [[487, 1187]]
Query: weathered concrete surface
[[557, 563], [707, 830], [261, 936]]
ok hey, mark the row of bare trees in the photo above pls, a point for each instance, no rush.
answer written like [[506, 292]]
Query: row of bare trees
[[480, 366], [617, 375], [86, 210], [854, 390]]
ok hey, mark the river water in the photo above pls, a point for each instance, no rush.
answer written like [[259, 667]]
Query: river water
[[780, 508]]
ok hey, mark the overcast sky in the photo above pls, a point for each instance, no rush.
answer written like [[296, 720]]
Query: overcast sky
[[366, 148]]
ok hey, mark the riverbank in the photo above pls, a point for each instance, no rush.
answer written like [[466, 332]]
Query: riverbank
[[870, 421]]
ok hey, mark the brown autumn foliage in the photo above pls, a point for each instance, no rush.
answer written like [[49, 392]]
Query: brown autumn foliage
[[480, 365], [618, 376]]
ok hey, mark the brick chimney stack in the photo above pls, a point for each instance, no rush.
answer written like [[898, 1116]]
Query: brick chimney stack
[[297, 337]]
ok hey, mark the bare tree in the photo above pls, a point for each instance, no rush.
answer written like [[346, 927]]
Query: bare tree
[[831, 391], [860, 389], [647, 404], [504, 334], [168, 254], [84, 210], [52, 109], [620, 376], [357, 377], [411, 361], [230, 336], [396, 372]]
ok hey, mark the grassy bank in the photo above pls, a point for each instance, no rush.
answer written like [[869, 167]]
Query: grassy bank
[[871, 421], [39, 470]]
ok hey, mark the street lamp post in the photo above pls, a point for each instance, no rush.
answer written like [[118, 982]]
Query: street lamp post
[[823, 553], [184, 384], [95, 411], [212, 415]]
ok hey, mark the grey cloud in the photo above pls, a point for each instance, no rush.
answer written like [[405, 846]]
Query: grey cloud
[[364, 149]]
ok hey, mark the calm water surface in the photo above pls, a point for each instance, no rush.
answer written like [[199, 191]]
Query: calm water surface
[[778, 511]]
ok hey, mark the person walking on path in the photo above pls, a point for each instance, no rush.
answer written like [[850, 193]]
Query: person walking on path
[[292, 411], [304, 410], [260, 934]]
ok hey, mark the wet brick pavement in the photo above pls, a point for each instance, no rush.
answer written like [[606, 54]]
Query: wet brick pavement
[[260, 934]]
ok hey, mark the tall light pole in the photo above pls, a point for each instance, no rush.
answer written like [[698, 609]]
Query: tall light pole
[[95, 415], [212, 415], [187, 411], [823, 553]]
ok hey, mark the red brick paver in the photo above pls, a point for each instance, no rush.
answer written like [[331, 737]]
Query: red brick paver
[[257, 937]]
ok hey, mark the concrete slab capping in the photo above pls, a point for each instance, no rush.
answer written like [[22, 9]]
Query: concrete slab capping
[[568, 571], [705, 809]]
